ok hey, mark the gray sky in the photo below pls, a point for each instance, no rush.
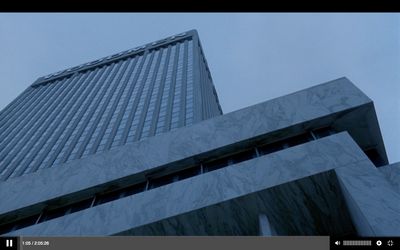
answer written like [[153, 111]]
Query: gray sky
[[252, 57]]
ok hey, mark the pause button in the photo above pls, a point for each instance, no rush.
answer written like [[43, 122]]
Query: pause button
[[9, 243]]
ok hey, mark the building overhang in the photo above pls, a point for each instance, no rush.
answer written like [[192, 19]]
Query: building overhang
[[338, 104]]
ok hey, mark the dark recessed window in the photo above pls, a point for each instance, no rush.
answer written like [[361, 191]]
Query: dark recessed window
[[216, 164], [297, 140], [270, 148], [81, 205], [374, 156], [107, 197], [187, 173], [322, 132], [7, 228], [243, 156], [161, 181], [26, 222], [54, 213], [134, 189]]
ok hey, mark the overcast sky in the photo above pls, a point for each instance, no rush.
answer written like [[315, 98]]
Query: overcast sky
[[252, 57]]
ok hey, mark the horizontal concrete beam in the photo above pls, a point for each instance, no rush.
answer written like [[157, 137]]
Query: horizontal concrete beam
[[289, 112], [205, 190]]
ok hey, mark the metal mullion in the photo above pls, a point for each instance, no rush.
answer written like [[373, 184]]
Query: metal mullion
[[167, 123], [100, 114], [22, 132], [126, 100], [78, 118], [314, 137], [124, 71], [197, 102], [136, 100], [209, 91], [39, 217], [39, 122], [206, 93], [50, 125], [189, 121], [182, 113], [28, 114], [257, 152], [16, 105], [91, 111], [71, 111], [93, 201], [201, 87], [156, 113], [148, 97]]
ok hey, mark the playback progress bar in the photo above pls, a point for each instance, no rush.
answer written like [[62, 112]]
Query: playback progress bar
[[357, 243]]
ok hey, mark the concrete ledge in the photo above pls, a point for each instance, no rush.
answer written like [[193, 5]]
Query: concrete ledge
[[205, 190], [316, 106]]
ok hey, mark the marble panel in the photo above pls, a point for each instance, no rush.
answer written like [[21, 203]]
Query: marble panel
[[210, 189], [392, 174], [372, 201], [284, 112]]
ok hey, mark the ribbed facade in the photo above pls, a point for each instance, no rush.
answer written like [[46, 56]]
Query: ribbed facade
[[107, 103]]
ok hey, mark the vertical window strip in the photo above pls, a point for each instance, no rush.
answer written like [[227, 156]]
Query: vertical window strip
[[48, 129], [167, 85], [140, 83], [53, 129], [150, 120], [177, 91], [15, 138], [167, 124], [189, 89], [126, 121], [160, 94], [70, 122], [122, 80], [140, 111], [146, 98], [96, 112], [18, 105], [29, 115], [182, 107], [132, 81], [28, 135], [88, 115], [94, 132]]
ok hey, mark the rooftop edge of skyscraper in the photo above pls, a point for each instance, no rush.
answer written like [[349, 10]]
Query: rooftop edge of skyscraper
[[115, 57]]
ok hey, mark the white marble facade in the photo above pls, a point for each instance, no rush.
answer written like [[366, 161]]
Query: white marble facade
[[325, 186]]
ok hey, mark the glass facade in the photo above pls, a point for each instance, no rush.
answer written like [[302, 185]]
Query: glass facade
[[102, 107]]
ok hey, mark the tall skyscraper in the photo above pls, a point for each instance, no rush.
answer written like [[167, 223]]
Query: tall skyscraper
[[136, 144], [107, 103]]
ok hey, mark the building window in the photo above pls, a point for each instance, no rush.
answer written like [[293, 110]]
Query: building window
[[322, 132], [243, 156], [270, 148], [154, 182], [216, 164]]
